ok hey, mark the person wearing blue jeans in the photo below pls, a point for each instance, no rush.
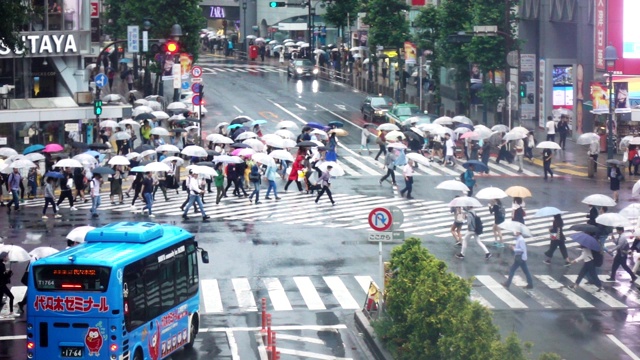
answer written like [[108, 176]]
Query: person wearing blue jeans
[[520, 261], [13, 184], [147, 193], [270, 173], [95, 194], [254, 178], [194, 196]]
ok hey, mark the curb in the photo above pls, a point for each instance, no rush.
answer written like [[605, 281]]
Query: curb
[[373, 343]]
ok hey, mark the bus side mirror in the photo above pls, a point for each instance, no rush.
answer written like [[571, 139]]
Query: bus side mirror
[[205, 256]]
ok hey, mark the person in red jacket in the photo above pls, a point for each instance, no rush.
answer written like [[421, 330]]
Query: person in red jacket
[[293, 175]]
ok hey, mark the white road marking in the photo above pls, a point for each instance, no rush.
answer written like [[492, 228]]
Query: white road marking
[[475, 296], [309, 293], [536, 295], [365, 282], [341, 293], [361, 166], [502, 293], [242, 288], [233, 345], [623, 347], [276, 328], [301, 107], [277, 294], [238, 109], [309, 355], [211, 296], [311, 340], [570, 295], [600, 295]]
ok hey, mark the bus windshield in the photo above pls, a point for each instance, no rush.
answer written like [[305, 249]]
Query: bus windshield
[[72, 277]]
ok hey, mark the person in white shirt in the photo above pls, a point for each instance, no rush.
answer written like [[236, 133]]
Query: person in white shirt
[[194, 196], [588, 269], [364, 140], [95, 184], [450, 146], [519, 153], [407, 172], [551, 129], [520, 261], [594, 150]]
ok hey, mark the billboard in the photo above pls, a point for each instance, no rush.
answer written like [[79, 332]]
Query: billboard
[[623, 32]]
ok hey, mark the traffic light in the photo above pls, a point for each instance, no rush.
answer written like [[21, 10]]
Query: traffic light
[[523, 90], [171, 47], [275, 4], [97, 107]]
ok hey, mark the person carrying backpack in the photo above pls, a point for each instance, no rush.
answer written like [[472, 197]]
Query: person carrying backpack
[[468, 179], [592, 260], [474, 230]]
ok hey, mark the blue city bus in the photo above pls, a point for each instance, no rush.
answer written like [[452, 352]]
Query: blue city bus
[[129, 292]]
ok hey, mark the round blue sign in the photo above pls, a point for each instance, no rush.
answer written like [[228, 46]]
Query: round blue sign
[[185, 85], [195, 100]]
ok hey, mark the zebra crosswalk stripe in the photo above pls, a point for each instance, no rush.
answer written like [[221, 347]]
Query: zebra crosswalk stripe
[[502, 293], [574, 298], [242, 288], [600, 295], [211, 292], [277, 294], [341, 293], [309, 293]]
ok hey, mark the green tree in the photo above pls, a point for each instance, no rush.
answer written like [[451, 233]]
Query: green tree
[[342, 13], [14, 17]]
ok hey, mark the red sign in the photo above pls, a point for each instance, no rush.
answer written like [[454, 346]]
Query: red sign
[[600, 34], [69, 304], [380, 219], [95, 9], [417, 2], [196, 71]]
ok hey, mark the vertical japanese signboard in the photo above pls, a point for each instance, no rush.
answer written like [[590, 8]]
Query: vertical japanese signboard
[[599, 37]]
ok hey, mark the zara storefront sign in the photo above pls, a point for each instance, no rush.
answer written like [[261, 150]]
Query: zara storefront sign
[[45, 44]]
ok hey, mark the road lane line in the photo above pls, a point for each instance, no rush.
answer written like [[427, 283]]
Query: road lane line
[[309, 293], [570, 295], [348, 169], [309, 355], [233, 345], [475, 296], [341, 293], [502, 293], [365, 282], [300, 338], [536, 295], [623, 347], [600, 295], [242, 288], [238, 109], [261, 348], [211, 296], [277, 294], [361, 166]]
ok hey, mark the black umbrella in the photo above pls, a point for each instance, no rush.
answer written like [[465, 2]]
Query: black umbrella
[[589, 229], [411, 135], [145, 116], [79, 145], [213, 152], [206, 163], [322, 148], [142, 148], [178, 130], [193, 120], [306, 144], [240, 145], [103, 170], [241, 120], [98, 146]]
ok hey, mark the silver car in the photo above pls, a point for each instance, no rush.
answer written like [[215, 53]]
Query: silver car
[[300, 68]]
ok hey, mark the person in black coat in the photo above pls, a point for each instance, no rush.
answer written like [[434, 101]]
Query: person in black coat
[[5, 279], [615, 176]]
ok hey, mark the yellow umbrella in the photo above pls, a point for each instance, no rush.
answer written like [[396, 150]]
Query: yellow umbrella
[[518, 191], [339, 132]]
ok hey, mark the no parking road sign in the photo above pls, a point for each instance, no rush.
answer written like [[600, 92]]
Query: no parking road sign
[[380, 219]]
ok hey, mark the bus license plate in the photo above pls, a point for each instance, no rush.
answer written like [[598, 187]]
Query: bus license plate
[[71, 351]]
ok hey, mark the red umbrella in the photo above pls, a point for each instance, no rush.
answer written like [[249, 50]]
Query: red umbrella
[[51, 148]]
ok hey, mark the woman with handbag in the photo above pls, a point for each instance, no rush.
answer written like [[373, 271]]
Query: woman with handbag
[[557, 240], [615, 176]]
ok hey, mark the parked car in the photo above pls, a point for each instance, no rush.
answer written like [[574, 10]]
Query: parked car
[[374, 108], [299, 68]]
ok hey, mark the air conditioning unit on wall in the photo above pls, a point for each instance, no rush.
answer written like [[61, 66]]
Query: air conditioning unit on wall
[[83, 98]]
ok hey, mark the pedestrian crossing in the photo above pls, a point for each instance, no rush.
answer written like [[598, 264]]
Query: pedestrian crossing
[[220, 68]]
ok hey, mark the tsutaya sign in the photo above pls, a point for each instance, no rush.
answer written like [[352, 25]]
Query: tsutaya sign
[[44, 44]]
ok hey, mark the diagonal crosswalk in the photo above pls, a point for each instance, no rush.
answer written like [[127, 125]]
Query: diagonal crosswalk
[[221, 68]]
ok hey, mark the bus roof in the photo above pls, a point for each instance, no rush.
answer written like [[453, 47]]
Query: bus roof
[[102, 247]]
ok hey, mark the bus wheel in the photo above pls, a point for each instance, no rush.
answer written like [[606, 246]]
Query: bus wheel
[[193, 331], [138, 355]]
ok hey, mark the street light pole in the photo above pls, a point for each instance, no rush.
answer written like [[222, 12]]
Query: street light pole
[[610, 57], [244, 26]]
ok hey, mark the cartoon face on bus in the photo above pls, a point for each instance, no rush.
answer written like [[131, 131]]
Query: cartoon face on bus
[[154, 343], [93, 341]]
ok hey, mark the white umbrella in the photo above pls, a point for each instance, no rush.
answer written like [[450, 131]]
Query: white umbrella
[[443, 120], [515, 227], [465, 201], [122, 135], [195, 150], [514, 136], [156, 166], [247, 135], [168, 148], [431, 128], [155, 106], [70, 163], [160, 115], [228, 159], [141, 102], [453, 185], [125, 122], [491, 193], [78, 234], [263, 158], [634, 141], [176, 106], [34, 157], [548, 145], [548, 211], [483, 131], [285, 134], [159, 131], [288, 143], [287, 124], [255, 144], [202, 170], [336, 169], [246, 152], [587, 139], [388, 127], [419, 158], [15, 253], [613, 220], [462, 120], [273, 140], [318, 51], [500, 128], [131, 155], [43, 252], [631, 211], [320, 133], [250, 37], [177, 117], [168, 159], [86, 159], [394, 135], [146, 153], [520, 129], [7, 151], [462, 130], [220, 139], [141, 110], [192, 127], [108, 124], [273, 42], [599, 200], [281, 155], [397, 145], [636, 189], [443, 131], [118, 160]]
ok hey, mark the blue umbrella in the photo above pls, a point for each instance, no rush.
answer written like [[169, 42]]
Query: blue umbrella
[[125, 61], [92, 153], [32, 149], [54, 174], [316, 125], [586, 240], [548, 211], [233, 126], [258, 122], [337, 124], [137, 169], [477, 166]]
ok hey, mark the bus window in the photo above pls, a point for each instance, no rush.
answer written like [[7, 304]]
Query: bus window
[[193, 271], [167, 286], [72, 277], [135, 295], [152, 290], [181, 278]]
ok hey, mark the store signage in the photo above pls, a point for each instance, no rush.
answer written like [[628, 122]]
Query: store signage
[[220, 12], [45, 44], [216, 12], [600, 33]]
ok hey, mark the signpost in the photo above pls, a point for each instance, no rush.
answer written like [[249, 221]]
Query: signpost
[[383, 219], [100, 80], [95, 9], [133, 38], [196, 71]]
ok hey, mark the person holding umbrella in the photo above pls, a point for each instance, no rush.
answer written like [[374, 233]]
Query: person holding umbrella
[[95, 194], [615, 176], [621, 250], [497, 209], [148, 184], [66, 188], [364, 140], [468, 179], [390, 163], [588, 268], [13, 184], [547, 155], [557, 240], [520, 261], [50, 198], [407, 172], [195, 193]]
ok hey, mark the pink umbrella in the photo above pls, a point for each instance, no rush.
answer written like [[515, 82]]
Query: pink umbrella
[[51, 148], [236, 152], [472, 134]]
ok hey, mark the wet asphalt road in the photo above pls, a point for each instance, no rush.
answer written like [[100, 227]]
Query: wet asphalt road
[[294, 245]]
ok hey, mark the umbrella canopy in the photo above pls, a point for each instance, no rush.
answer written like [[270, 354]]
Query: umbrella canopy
[[98, 146], [336, 169], [147, 153], [586, 240], [515, 227], [119, 160], [518, 191], [613, 220], [255, 144], [239, 145], [156, 106], [34, 157], [587, 139], [86, 159], [33, 148], [548, 145], [194, 150], [599, 200], [631, 211], [462, 120], [500, 128], [483, 131], [241, 120], [388, 127], [109, 124], [168, 159], [79, 145], [320, 133], [160, 115], [139, 168], [78, 234], [42, 252], [419, 158], [141, 102], [586, 228], [176, 106], [394, 135], [122, 135], [338, 132], [263, 158], [246, 152], [510, 136], [478, 166], [453, 185], [281, 155], [287, 124], [470, 135], [156, 166], [307, 144], [397, 145], [285, 134], [315, 125], [615, 162], [202, 170], [227, 159], [159, 131], [274, 141], [258, 122], [220, 139], [465, 201], [52, 148], [443, 120], [548, 211], [15, 253], [132, 155], [21, 164], [246, 135], [337, 124], [7, 151], [144, 116], [54, 174], [635, 141], [168, 148], [142, 148], [491, 193], [103, 170]]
